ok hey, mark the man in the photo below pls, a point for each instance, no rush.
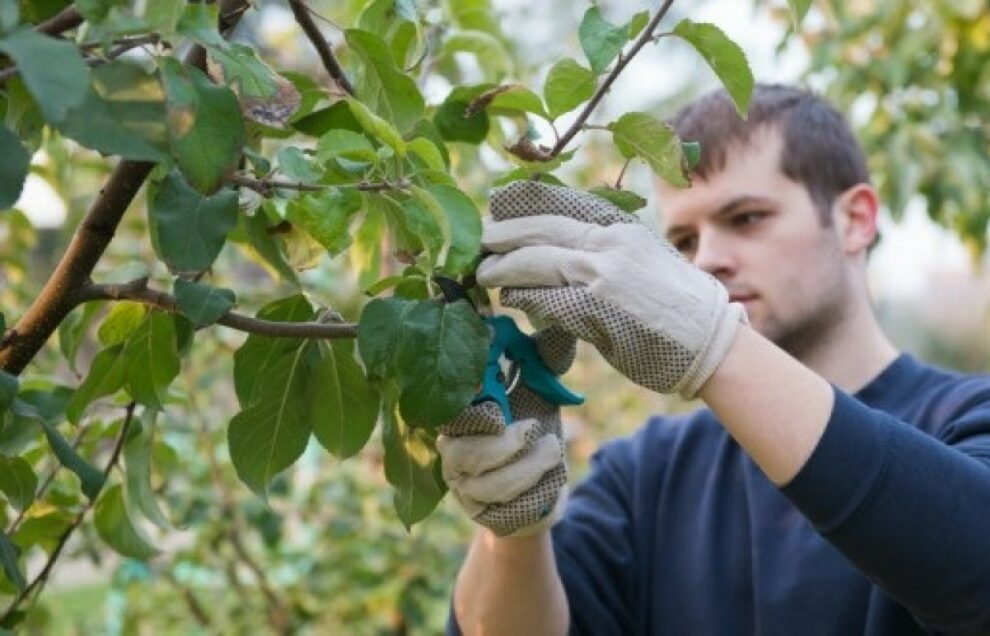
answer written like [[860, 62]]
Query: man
[[832, 486]]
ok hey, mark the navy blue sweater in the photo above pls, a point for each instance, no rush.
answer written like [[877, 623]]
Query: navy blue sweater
[[885, 530]]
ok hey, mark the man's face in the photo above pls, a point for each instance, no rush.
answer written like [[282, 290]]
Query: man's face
[[761, 235]]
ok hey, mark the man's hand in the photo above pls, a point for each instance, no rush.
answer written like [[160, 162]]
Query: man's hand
[[511, 479], [573, 259]]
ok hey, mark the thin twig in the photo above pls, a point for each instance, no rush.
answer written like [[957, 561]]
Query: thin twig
[[42, 577], [267, 187], [135, 290], [124, 45], [305, 20], [623, 60], [68, 18]]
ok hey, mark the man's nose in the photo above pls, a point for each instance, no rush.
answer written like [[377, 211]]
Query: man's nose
[[714, 254]]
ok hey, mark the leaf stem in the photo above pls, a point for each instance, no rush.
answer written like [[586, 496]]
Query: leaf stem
[[622, 173], [624, 59]]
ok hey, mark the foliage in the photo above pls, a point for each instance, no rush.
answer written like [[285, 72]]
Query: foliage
[[272, 190]]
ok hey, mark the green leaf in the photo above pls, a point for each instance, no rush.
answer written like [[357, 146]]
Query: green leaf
[[242, 68], [493, 58], [638, 23], [189, 229], [254, 234], [73, 329], [199, 23], [601, 40], [724, 56], [14, 163], [346, 144], [799, 9], [366, 252], [452, 120], [321, 121], [692, 153], [107, 374], [8, 390], [440, 359], [326, 217], [343, 404], [384, 87], [377, 127], [464, 221], [96, 11], [271, 434], [297, 165], [124, 318], [9, 553], [52, 69], [411, 466], [202, 304], [152, 359], [206, 130], [19, 482], [644, 136], [114, 525], [9, 15], [254, 359], [522, 173], [379, 331], [568, 86], [622, 199], [123, 114], [517, 98], [162, 16], [90, 478], [429, 224], [427, 151], [137, 468]]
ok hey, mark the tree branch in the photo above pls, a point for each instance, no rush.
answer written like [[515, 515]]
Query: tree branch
[[68, 18], [641, 41], [305, 20], [137, 291], [42, 577], [267, 187], [88, 242]]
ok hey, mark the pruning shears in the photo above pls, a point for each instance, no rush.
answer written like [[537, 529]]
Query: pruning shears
[[512, 358]]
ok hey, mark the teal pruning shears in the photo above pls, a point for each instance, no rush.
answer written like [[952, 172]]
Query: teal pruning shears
[[512, 348]]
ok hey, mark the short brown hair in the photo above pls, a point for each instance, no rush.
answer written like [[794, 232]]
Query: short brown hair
[[819, 151]]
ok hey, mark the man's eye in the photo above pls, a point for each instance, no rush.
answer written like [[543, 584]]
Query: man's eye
[[686, 244], [747, 218]]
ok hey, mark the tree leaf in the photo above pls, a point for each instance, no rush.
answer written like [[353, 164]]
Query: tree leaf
[[638, 22], [346, 144], [326, 216], [9, 554], [724, 56], [517, 98], [107, 373], [411, 462], [152, 359], [271, 434], [379, 331], [427, 152], [439, 361], [464, 220], [259, 243], [384, 87], [137, 468], [199, 23], [52, 69], [568, 85], [644, 136], [377, 127], [95, 11], [123, 114], [114, 526], [493, 58], [206, 130], [452, 120], [622, 199], [600, 39], [202, 304], [90, 478], [343, 404], [73, 329], [692, 153], [188, 228], [366, 252], [19, 482], [124, 318], [8, 390], [254, 359], [242, 68], [429, 224], [799, 9], [321, 121], [298, 165], [14, 163]]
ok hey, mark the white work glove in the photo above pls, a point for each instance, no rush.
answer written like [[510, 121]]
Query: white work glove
[[511, 479], [570, 258]]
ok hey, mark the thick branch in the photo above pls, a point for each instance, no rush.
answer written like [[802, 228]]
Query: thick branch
[[42, 577], [135, 290], [305, 20], [68, 18], [88, 243], [641, 41]]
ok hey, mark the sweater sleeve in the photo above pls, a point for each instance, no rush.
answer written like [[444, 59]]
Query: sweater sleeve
[[910, 510]]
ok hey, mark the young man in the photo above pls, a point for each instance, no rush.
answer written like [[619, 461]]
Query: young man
[[832, 486]]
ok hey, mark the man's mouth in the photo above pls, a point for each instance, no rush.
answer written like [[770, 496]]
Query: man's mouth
[[741, 298]]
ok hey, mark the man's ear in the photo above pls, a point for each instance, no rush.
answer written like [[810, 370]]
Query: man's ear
[[856, 212]]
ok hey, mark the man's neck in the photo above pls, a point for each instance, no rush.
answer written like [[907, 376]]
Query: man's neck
[[853, 353]]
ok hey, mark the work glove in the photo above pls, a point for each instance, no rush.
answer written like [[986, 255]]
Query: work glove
[[570, 258], [512, 479]]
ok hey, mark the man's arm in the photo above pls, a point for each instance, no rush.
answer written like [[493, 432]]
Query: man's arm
[[909, 510], [510, 586]]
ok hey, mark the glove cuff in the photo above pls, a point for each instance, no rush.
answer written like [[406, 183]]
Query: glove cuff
[[549, 520], [719, 343]]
